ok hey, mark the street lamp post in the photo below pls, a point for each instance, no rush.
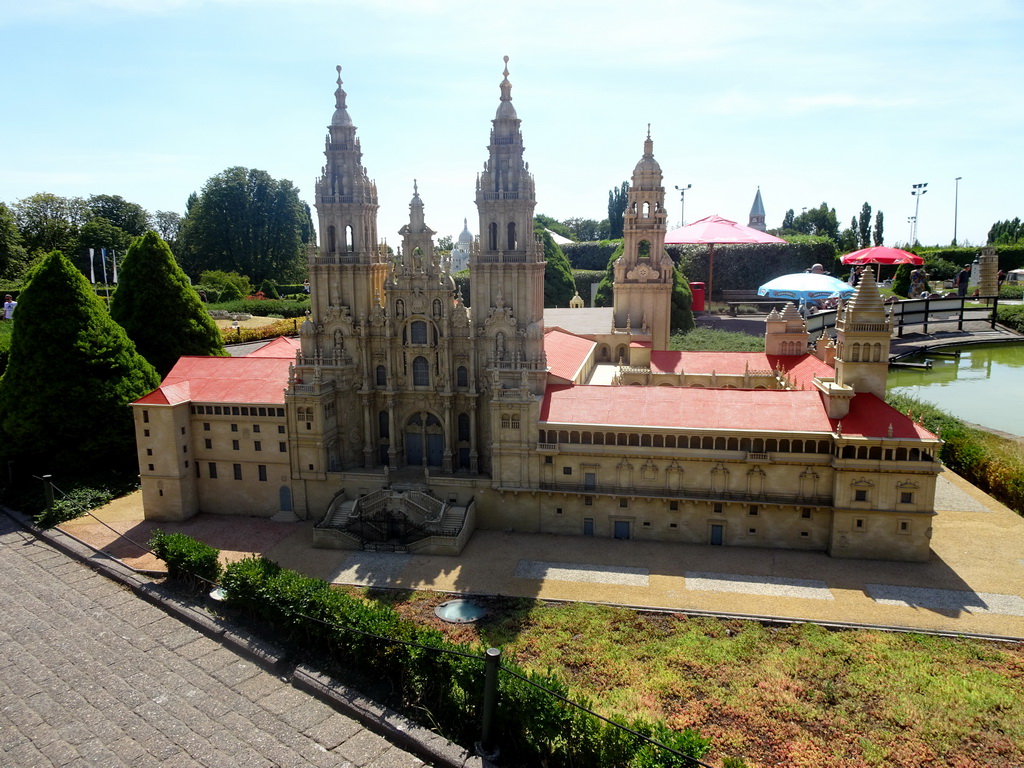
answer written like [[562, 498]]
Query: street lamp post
[[911, 220], [682, 203], [917, 190], [956, 205]]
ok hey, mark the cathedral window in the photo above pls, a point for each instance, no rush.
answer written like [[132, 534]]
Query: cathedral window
[[350, 240], [383, 425], [418, 332], [332, 239], [382, 376], [420, 372], [464, 427], [647, 210], [462, 376], [492, 236], [644, 249], [511, 230]]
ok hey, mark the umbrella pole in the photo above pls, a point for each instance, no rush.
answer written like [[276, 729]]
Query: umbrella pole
[[711, 271]]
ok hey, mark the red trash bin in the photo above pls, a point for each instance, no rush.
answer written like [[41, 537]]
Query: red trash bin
[[697, 289]]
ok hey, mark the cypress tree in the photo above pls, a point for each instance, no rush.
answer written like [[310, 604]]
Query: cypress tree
[[158, 308], [72, 373]]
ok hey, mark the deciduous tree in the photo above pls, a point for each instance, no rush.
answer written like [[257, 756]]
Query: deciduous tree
[[48, 222], [71, 375], [13, 256], [131, 218], [246, 221], [158, 308]]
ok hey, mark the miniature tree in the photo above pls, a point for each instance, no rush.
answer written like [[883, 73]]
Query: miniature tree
[[71, 375], [158, 308]]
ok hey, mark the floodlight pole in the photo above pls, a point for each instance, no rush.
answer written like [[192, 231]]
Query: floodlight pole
[[682, 204], [956, 205], [917, 190]]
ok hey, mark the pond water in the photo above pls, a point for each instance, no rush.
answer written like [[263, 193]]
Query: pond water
[[983, 386]]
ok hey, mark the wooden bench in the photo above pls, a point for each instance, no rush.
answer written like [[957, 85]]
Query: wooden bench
[[736, 298]]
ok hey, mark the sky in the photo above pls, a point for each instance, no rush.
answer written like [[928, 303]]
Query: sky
[[844, 103]]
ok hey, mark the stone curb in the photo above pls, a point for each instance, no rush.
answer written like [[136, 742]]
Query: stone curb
[[385, 722]]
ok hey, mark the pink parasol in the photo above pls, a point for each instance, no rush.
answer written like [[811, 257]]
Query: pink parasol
[[714, 230], [881, 255]]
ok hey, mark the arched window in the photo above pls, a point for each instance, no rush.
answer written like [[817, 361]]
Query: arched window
[[647, 210], [332, 239], [383, 425], [461, 376], [382, 376], [511, 239], [418, 332], [350, 239], [420, 372], [492, 236], [644, 248], [464, 427]]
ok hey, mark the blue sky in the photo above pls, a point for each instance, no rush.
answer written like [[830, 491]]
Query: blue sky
[[839, 102]]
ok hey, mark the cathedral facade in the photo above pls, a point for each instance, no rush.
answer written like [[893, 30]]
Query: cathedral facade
[[403, 418]]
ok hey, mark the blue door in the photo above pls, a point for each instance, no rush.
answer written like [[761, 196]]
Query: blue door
[[435, 449], [621, 529], [717, 532], [413, 449], [588, 526]]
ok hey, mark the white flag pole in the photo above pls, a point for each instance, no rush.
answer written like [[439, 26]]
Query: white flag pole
[[92, 267], [113, 258]]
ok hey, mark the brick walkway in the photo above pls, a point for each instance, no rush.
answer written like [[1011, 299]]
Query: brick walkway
[[90, 675]]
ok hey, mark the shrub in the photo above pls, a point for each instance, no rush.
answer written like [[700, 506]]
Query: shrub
[[268, 289], [263, 307], [74, 503], [190, 561]]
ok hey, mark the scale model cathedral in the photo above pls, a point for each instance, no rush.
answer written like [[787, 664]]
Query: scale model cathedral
[[403, 419]]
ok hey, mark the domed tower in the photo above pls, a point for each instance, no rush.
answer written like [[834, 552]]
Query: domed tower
[[644, 272], [349, 269]]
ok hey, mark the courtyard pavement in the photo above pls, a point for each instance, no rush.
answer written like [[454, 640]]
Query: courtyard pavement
[[972, 584], [92, 675]]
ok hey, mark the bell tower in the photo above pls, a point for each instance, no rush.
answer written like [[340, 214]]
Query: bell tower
[[863, 332], [349, 269], [644, 273]]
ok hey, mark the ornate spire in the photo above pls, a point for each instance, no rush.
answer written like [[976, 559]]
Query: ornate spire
[[341, 116], [505, 108]]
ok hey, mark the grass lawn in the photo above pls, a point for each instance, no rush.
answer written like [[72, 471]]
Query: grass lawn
[[792, 696]]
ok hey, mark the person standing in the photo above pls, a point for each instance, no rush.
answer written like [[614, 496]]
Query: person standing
[[962, 279], [9, 305]]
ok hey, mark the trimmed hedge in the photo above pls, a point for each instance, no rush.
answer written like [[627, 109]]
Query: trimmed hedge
[[1008, 256], [590, 255], [285, 327], [263, 307], [188, 560], [441, 683]]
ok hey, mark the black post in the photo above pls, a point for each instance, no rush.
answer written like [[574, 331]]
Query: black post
[[48, 491], [995, 307], [960, 323], [492, 661]]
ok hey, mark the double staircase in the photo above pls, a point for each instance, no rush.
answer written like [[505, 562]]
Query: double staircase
[[393, 520]]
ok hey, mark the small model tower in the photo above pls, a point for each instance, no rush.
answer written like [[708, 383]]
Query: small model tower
[[644, 273], [863, 331]]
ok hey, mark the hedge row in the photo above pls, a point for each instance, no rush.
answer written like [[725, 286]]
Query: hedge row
[[264, 307], [438, 682], [994, 464], [285, 327], [592, 255], [1009, 256]]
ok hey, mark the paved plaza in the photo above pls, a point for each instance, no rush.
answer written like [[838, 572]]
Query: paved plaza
[[92, 675]]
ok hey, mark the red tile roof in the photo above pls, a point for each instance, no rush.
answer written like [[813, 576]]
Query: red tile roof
[[249, 379], [566, 353], [686, 408], [871, 417], [282, 346], [801, 368]]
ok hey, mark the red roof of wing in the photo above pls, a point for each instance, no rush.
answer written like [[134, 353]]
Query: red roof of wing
[[282, 346], [246, 379], [566, 353], [686, 408], [870, 417], [800, 368]]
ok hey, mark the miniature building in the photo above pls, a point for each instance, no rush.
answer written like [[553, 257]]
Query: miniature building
[[403, 419]]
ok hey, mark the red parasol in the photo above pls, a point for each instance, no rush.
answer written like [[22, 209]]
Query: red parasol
[[714, 230], [881, 255]]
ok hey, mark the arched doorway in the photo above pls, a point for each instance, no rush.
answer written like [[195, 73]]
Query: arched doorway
[[424, 438]]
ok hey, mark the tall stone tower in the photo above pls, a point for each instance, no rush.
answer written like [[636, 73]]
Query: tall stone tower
[[507, 271], [644, 272], [863, 332], [757, 214], [349, 269]]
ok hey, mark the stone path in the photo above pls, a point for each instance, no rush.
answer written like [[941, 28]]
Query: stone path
[[90, 675]]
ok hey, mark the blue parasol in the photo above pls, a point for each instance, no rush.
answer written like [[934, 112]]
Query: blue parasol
[[805, 286]]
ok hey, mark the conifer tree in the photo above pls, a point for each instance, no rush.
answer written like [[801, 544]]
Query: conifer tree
[[72, 373], [158, 308]]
